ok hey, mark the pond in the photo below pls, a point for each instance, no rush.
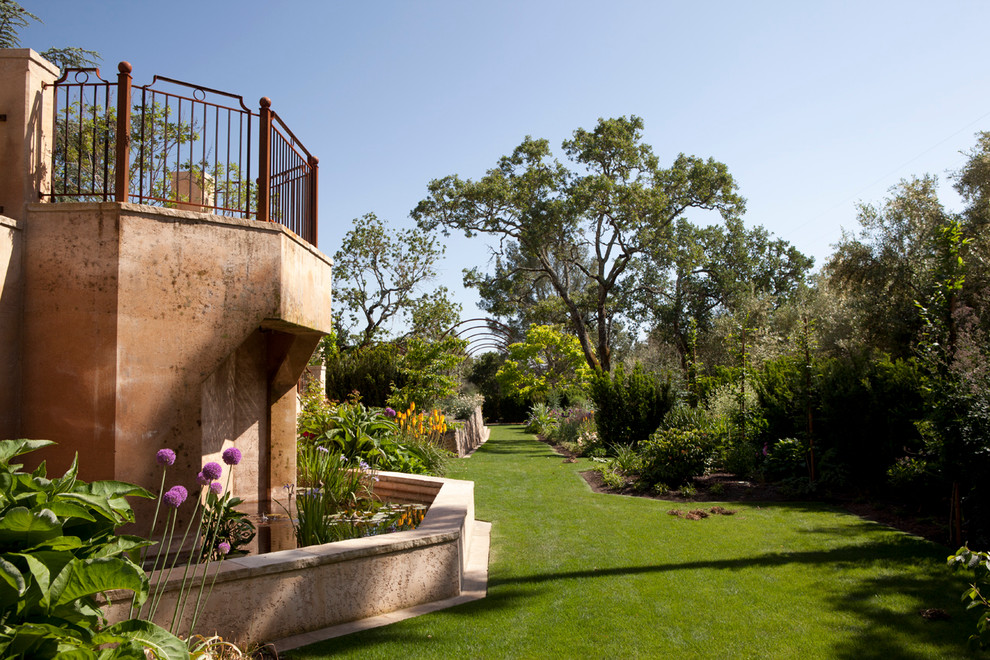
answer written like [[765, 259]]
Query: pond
[[275, 531]]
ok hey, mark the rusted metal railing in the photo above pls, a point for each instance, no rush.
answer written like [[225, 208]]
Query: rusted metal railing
[[84, 146], [174, 144]]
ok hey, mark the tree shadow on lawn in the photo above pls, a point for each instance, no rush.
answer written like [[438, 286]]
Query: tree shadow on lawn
[[882, 633]]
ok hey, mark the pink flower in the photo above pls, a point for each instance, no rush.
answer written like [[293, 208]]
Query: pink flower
[[212, 471], [232, 456], [165, 457], [175, 496]]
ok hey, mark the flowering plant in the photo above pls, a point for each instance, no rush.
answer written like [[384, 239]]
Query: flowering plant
[[48, 605], [225, 529]]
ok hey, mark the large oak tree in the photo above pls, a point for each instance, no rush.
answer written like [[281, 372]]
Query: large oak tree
[[584, 225]]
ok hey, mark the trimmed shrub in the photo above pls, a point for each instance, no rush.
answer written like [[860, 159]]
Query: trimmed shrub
[[673, 456], [629, 408], [371, 370]]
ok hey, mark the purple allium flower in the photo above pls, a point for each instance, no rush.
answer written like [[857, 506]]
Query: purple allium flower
[[390, 412], [765, 451], [201, 479], [212, 471], [165, 457], [175, 496], [323, 449], [223, 547], [365, 467], [216, 487], [232, 456]]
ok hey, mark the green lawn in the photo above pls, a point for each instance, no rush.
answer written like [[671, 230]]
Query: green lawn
[[575, 574]]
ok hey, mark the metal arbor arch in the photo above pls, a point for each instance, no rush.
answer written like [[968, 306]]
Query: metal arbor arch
[[481, 334]]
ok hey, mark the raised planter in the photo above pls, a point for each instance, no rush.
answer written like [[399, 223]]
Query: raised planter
[[280, 594], [471, 435]]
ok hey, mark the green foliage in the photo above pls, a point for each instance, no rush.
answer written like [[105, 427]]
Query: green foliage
[[461, 406], [610, 477], [58, 551], [223, 523], [708, 271], [548, 361], [364, 433], [330, 482], [629, 408], [787, 459], [567, 238], [373, 371], [356, 431], [673, 456], [499, 404], [865, 410], [428, 369], [627, 460], [377, 272], [541, 420], [979, 563]]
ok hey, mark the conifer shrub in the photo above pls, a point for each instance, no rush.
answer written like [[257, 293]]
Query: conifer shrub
[[628, 408]]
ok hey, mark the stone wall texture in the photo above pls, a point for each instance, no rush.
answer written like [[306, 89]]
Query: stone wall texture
[[471, 435], [146, 327]]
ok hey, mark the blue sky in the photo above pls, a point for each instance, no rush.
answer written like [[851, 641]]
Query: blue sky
[[812, 106]]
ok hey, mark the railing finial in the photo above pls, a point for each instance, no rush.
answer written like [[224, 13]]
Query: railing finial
[[264, 158], [122, 165]]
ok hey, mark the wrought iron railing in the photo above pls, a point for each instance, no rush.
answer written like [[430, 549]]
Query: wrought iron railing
[[173, 144]]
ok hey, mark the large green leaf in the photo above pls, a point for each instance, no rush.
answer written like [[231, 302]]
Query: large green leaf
[[12, 576], [28, 528], [43, 567], [71, 651], [160, 641], [91, 576], [35, 640], [64, 509], [68, 480], [110, 488], [121, 545], [11, 448], [97, 502]]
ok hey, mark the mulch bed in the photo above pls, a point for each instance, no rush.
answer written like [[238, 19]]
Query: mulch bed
[[725, 487]]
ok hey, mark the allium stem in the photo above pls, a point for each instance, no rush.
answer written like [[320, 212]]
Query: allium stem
[[167, 546], [151, 533]]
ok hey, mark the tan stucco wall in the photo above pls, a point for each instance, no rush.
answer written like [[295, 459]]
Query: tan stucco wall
[[300, 590], [147, 328], [25, 137], [10, 321]]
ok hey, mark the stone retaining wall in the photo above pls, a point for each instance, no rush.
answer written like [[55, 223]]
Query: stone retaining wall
[[268, 597], [472, 434]]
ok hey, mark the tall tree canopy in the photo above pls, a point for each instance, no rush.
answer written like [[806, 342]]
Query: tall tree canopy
[[379, 274], [704, 271], [891, 263], [577, 232]]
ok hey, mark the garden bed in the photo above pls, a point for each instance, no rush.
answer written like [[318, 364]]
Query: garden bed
[[726, 487], [297, 591]]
